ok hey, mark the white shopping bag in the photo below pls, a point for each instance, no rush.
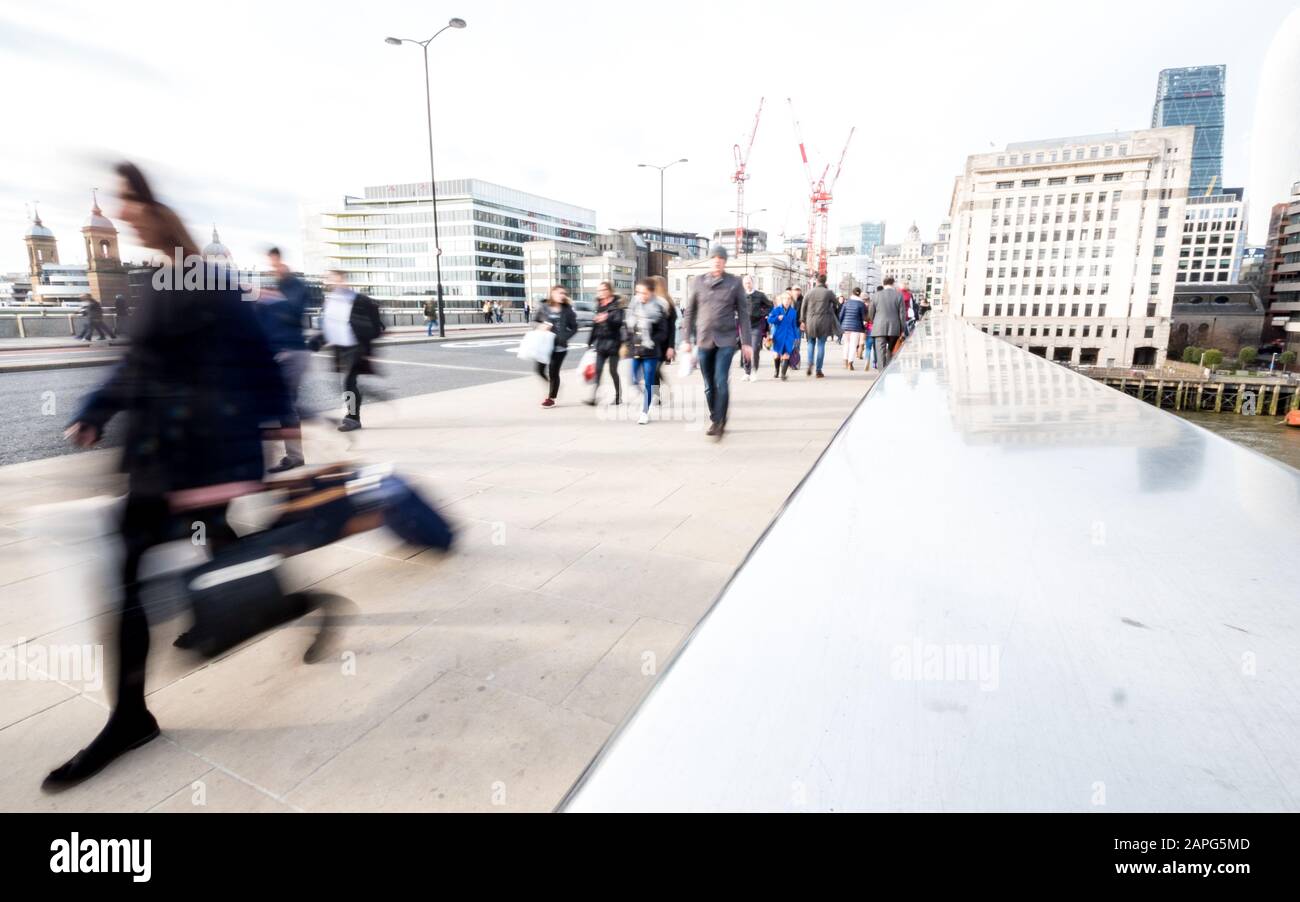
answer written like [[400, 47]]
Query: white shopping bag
[[537, 345], [688, 362], [587, 366]]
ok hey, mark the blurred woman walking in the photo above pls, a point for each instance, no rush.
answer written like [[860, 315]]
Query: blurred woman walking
[[196, 386], [668, 350], [647, 318], [784, 320], [853, 320], [607, 339], [558, 316]]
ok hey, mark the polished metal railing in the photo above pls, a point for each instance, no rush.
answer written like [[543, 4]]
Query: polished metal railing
[[982, 598]]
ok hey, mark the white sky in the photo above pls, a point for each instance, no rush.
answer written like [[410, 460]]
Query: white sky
[[240, 110]]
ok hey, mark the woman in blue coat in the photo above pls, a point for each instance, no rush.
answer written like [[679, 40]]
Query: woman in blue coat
[[784, 320]]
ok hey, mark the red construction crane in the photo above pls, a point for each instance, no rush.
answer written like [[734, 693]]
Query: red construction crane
[[820, 196], [741, 176]]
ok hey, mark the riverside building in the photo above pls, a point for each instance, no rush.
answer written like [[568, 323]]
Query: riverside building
[[1069, 247]]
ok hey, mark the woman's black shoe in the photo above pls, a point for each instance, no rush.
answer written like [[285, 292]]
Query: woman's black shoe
[[122, 733]]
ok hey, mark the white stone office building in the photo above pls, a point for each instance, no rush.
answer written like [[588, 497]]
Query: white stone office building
[[1214, 238], [551, 263], [1069, 247], [619, 272], [911, 262], [384, 240], [939, 273], [772, 273], [844, 272], [577, 268]]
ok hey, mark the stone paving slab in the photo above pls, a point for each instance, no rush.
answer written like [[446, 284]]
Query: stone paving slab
[[481, 680]]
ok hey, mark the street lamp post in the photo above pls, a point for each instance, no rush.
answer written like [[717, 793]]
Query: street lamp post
[[662, 170], [433, 184]]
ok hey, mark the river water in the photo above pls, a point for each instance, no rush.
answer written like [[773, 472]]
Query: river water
[[1262, 433]]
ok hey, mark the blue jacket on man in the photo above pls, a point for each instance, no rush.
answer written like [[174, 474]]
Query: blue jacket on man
[[281, 317]]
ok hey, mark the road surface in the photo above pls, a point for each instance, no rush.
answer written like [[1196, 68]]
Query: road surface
[[39, 404]]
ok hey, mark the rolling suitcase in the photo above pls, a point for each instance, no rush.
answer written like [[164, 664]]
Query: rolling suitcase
[[237, 595]]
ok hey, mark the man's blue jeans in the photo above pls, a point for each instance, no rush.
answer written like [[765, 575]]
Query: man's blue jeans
[[715, 367], [815, 362]]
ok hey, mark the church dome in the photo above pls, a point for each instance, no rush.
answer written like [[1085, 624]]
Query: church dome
[[97, 219], [37, 229], [215, 250]]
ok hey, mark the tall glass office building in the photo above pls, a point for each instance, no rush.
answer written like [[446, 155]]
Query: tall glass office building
[[863, 237], [384, 240], [1194, 96]]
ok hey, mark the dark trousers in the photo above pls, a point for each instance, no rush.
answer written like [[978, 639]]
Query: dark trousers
[[715, 367], [752, 366], [884, 345], [612, 358], [553, 373], [148, 521], [350, 362], [93, 327]]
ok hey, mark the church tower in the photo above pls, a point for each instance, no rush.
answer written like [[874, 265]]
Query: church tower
[[42, 248], [107, 275]]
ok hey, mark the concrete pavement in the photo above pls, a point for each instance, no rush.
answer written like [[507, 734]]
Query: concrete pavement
[[482, 680]]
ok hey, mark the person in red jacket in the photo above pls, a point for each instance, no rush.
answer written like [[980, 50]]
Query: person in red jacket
[[909, 308]]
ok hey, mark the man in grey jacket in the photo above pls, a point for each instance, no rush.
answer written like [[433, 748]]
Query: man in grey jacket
[[717, 308], [817, 322], [886, 314]]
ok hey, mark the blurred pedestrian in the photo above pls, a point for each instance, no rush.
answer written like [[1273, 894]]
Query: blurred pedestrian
[[607, 337], [350, 323], [886, 313], [196, 384], [717, 303], [647, 319], [486, 310], [817, 322], [909, 307], [123, 314], [93, 313], [784, 323], [556, 315], [759, 307], [797, 291], [668, 350], [431, 314], [853, 320], [281, 309]]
